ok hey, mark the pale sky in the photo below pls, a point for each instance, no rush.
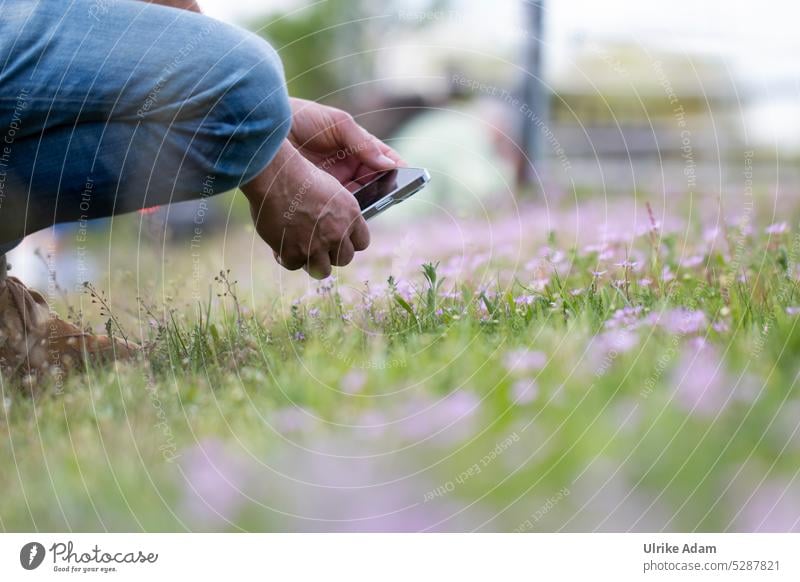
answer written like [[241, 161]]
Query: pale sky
[[758, 40], [760, 37]]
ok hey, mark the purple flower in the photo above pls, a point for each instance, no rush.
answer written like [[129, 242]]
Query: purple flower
[[371, 424], [711, 234], [691, 262], [214, 478], [595, 248], [606, 255], [450, 419], [557, 257], [646, 229], [326, 285], [291, 419], [777, 228], [697, 343], [525, 299], [607, 346], [478, 260], [701, 385], [680, 321], [773, 507], [533, 265], [353, 382], [721, 326], [618, 341], [405, 289], [524, 391], [540, 283], [745, 228], [627, 317], [524, 360]]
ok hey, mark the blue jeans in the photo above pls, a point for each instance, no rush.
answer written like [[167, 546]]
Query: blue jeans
[[111, 106]]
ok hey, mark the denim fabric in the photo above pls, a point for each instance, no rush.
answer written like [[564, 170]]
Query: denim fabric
[[111, 106]]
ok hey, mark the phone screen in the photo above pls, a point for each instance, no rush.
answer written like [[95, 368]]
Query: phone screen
[[380, 187]]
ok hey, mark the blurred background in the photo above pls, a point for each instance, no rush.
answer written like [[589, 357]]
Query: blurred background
[[517, 100], [548, 127]]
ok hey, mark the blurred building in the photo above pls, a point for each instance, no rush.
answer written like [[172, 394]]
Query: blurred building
[[624, 99]]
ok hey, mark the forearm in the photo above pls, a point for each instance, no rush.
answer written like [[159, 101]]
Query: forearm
[[191, 5]]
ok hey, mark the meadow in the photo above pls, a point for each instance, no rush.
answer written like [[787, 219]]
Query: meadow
[[580, 365]]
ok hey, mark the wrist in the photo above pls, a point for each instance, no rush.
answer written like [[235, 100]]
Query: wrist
[[275, 179]]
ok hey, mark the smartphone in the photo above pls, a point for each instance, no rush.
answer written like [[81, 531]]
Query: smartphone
[[390, 188]]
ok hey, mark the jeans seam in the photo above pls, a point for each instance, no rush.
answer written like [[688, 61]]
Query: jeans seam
[[66, 100]]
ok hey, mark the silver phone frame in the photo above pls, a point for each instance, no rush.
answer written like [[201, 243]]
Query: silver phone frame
[[396, 196]]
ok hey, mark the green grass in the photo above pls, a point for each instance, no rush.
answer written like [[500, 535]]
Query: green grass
[[380, 408]]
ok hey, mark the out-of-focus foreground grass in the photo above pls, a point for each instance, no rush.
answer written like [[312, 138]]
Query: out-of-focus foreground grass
[[502, 375]]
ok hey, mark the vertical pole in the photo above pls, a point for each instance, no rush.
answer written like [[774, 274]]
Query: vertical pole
[[534, 94]]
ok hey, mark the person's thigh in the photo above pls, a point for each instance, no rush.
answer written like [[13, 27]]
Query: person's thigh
[[112, 106]]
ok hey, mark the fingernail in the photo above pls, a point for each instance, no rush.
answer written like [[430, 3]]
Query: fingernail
[[386, 161]]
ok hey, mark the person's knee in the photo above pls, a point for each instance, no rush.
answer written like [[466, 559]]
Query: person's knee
[[230, 120], [255, 113]]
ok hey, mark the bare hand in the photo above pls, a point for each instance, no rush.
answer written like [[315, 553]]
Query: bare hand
[[308, 218], [331, 140], [302, 204]]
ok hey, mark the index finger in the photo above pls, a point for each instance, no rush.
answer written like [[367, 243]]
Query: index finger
[[365, 146]]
